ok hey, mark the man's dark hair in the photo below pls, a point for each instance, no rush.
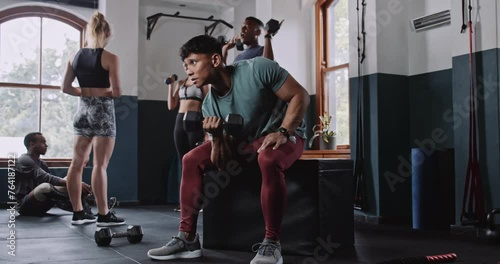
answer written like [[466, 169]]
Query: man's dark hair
[[31, 137], [255, 20], [202, 44]]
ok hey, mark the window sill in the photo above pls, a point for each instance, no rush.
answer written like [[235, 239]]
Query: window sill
[[340, 153], [52, 163]]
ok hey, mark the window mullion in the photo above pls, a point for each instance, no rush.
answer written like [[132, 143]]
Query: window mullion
[[40, 78]]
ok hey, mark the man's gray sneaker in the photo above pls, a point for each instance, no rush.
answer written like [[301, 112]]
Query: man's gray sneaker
[[177, 248], [269, 252]]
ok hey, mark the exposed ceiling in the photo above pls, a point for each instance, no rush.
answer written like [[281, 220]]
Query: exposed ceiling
[[212, 6]]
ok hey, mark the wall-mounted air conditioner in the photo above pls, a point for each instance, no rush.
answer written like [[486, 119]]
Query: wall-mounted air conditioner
[[430, 21]]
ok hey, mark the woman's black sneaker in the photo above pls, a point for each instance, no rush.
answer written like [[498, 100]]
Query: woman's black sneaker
[[109, 220], [82, 217]]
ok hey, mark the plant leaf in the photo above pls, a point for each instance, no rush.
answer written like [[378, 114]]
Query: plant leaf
[[311, 141]]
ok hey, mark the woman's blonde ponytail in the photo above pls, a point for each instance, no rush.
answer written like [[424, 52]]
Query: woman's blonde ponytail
[[97, 31]]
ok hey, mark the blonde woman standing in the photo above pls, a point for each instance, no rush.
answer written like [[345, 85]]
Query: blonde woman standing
[[94, 123]]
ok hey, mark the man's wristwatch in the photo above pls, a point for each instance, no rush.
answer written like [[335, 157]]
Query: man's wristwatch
[[284, 131]]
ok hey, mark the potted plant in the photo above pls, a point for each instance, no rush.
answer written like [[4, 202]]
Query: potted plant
[[323, 130]]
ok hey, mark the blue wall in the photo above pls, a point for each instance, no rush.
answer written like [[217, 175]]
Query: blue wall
[[386, 137], [431, 101], [157, 154], [428, 110], [122, 170], [488, 114]]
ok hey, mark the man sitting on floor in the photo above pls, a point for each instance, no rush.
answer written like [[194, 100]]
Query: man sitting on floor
[[36, 189]]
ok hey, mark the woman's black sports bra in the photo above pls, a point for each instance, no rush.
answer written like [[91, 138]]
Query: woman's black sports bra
[[88, 69]]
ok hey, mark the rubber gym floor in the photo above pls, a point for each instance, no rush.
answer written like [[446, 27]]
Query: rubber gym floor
[[52, 239]]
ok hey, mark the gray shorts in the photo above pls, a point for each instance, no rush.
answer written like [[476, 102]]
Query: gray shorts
[[95, 117]]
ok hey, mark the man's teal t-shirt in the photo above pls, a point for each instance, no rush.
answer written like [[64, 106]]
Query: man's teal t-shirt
[[254, 83]]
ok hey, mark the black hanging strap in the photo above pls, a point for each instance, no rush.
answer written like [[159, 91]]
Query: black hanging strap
[[363, 30], [359, 188], [464, 25]]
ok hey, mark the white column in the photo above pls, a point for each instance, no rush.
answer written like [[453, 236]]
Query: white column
[[123, 15]]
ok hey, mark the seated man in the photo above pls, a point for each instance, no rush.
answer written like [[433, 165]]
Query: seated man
[[36, 189], [250, 31], [273, 105]]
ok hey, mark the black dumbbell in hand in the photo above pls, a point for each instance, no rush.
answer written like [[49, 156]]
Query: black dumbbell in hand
[[233, 123], [171, 79], [272, 26], [223, 41], [104, 235]]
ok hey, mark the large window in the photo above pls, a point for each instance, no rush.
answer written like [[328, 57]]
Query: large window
[[332, 62], [35, 45]]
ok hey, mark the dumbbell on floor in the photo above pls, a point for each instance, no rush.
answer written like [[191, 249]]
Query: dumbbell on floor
[[233, 123], [103, 235]]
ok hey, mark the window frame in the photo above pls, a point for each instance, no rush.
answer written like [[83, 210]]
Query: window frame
[[321, 60], [42, 12]]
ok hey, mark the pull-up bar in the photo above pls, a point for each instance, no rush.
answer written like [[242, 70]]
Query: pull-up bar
[[154, 18]]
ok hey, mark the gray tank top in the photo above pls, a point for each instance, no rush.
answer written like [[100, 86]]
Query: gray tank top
[[190, 93]]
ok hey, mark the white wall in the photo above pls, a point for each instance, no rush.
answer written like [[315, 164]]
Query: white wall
[[227, 16], [484, 16], [159, 56], [263, 9], [498, 24], [429, 50], [295, 40], [369, 65], [83, 13], [392, 37], [433, 49], [124, 20]]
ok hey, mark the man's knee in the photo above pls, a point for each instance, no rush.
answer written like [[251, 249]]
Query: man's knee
[[47, 190], [41, 191], [193, 158], [267, 160]]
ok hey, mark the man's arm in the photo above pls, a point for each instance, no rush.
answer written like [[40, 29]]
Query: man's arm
[[221, 150], [298, 101], [40, 174], [229, 45], [268, 48]]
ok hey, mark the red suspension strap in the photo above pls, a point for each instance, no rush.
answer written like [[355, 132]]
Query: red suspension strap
[[473, 198], [446, 258]]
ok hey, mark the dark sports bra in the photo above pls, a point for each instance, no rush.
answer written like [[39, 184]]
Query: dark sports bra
[[88, 69], [190, 93]]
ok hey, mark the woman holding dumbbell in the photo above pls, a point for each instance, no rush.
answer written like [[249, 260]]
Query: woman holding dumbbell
[[189, 98]]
